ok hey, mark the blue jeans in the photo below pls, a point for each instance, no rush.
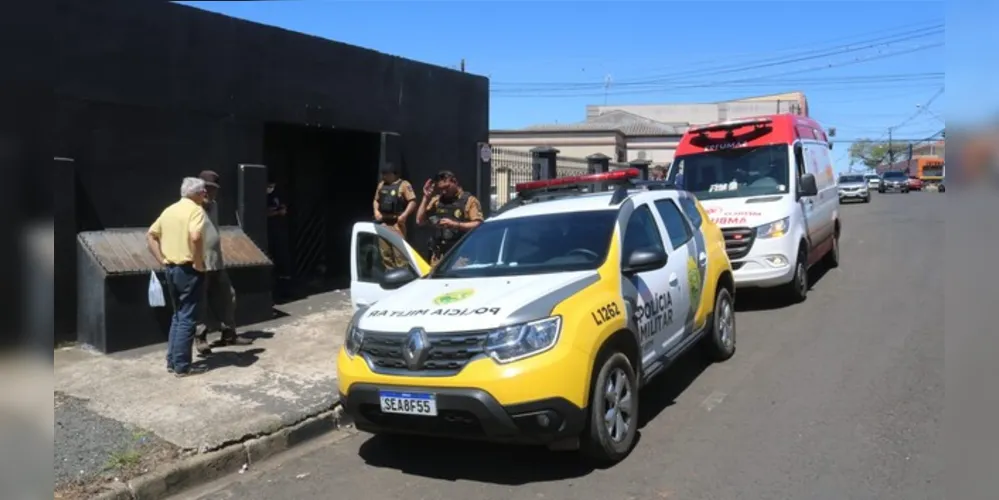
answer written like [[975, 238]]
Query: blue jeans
[[184, 284]]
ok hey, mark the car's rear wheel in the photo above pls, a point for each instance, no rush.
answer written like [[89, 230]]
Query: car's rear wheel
[[613, 423], [719, 343], [832, 258]]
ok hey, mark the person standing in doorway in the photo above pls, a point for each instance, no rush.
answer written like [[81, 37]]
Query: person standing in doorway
[[218, 313], [176, 239], [277, 232], [393, 204], [450, 209]]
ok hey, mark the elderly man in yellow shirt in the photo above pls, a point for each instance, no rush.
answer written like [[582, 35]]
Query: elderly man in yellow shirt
[[176, 239]]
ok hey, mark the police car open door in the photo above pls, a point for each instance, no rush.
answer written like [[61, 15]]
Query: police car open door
[[376, 249]]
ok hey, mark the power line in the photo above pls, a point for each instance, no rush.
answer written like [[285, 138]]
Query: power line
[[759, 64], [763, 78], [854, 141], [890, 153]]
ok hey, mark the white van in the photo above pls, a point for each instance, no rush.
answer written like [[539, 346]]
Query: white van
[[769, 183]]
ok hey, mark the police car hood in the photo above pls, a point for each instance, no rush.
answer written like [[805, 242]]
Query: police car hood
[[469, 304], [746, 212]]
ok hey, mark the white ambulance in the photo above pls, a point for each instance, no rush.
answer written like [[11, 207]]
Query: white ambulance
[[768, 182]]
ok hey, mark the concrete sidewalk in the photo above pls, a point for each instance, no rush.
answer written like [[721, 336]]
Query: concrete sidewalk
[[287, 375]]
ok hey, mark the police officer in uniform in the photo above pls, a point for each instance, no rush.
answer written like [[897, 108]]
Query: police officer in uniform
[[451, 210], [393, 204]]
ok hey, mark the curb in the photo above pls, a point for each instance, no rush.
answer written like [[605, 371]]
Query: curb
[[202, 468]]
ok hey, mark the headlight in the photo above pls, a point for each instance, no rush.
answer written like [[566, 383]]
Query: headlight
[[354, 337], [774, 229], [513, 343]]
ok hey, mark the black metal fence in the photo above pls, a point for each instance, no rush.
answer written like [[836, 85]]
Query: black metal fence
[[510, 167]]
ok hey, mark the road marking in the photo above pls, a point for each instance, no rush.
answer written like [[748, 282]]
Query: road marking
[[713, 400]]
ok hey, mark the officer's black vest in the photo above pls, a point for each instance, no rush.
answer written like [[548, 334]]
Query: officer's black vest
[[390, 200], [453, 209]]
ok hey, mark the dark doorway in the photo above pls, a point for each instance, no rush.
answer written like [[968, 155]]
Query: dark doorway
[[327, 179]]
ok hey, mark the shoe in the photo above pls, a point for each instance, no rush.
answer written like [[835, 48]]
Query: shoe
[[201, 345], [194, 370]]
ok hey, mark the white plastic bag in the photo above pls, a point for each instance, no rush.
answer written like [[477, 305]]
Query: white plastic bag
[[155, 291]]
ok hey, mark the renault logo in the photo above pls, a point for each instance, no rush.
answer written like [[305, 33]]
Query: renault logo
[[417, 349]]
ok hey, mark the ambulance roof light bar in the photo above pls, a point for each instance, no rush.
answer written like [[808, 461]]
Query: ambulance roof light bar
[[575, 183], [730, 124]]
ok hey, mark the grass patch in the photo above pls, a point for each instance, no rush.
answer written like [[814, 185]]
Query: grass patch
[[123, 460]]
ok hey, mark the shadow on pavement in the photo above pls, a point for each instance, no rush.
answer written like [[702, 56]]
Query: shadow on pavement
[[662, 391], [257, 335], [770, 299], [453, 460], [223, 359]]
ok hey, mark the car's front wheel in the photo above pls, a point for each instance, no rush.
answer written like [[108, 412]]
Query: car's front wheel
[[719, 343], [613, 422]]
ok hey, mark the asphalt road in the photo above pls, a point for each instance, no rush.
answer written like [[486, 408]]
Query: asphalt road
[[838, 397]]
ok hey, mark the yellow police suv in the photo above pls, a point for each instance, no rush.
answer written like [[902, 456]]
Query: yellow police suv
[[542, 324]]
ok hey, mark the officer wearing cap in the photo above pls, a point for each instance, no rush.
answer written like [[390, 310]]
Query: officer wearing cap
[[219, 296], [393, 204], [451, 210]]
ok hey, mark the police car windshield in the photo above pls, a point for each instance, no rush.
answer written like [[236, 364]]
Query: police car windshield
[[539, 244], [733, 173]]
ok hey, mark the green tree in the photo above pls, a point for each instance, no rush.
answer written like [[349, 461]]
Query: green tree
[[872, 153]]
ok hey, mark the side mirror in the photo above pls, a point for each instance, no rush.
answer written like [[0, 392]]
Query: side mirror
[[806, 186], [398, 277], [645, 259]]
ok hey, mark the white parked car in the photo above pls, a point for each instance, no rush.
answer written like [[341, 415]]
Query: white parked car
[[873, 181]]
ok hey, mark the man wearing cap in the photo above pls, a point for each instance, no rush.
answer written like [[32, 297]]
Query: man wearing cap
[[394, 202], [219, 313], [451, 210]]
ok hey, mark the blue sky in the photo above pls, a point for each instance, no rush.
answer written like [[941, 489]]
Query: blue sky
[[864, 66]]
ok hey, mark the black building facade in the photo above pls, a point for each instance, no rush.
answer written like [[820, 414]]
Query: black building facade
[[149, 92]]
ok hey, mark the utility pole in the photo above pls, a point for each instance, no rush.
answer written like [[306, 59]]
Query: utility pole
[[908, 163], [891, 152]]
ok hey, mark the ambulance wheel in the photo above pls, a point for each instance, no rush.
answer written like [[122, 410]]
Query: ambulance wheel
[[832, 258], [719, 342], [797, 290], [613, 420]]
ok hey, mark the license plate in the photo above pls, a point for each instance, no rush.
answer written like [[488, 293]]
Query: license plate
[[408, 403]]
